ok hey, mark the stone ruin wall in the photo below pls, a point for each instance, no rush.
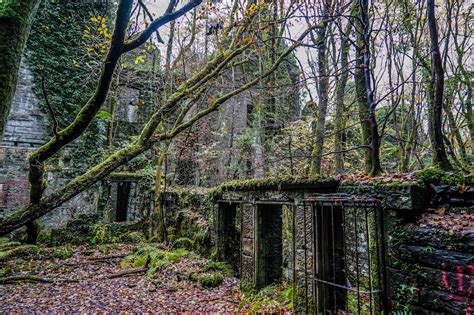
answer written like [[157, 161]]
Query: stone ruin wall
[[28, 128], [427, 268]]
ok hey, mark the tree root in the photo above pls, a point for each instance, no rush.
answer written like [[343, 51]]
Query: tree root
[[104, 258], [9, 245]]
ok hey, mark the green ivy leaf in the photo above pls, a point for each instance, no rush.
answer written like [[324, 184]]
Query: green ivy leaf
[[104, 115]]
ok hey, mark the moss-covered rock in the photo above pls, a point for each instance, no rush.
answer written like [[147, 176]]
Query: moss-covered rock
[[211, 280]]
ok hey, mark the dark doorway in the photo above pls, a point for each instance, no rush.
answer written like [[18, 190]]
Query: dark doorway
[[123, 193], [229, 232], [330, 260], [269, 244]]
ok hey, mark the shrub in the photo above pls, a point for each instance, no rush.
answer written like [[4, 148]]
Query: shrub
[[63, 252], [133, 237]]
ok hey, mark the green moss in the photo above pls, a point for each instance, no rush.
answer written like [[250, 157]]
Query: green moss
[[9, 245], [269, 182], [24, 251], [211, 280], [433, 175], [157, 259], [117, 176], [219, 266], [16, 17], [63, 252]]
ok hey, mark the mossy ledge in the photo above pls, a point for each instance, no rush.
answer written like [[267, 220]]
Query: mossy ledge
[[273, 183], [123, 176]]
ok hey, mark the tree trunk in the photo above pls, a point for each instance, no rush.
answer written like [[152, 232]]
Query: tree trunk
[[16, 18], [323, 95], [361, 95], [341, 83], [374, 133], [160, 216], [455, 130], [440, 157], [411, 125]]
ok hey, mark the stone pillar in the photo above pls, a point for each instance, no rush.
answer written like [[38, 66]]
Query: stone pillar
[[304, 259], [248, 220]]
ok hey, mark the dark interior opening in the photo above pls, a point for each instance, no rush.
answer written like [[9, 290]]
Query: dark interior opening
[[330, 259], [270, 244], [123, 193], [230, 233]]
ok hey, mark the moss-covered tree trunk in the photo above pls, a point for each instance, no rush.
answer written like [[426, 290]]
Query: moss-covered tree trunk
[[16, 17], [369, 88], [361, 95], [323, 94], [341, 82], [440, 157]]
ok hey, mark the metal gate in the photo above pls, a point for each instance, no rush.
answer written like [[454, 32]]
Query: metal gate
[[348, 250]]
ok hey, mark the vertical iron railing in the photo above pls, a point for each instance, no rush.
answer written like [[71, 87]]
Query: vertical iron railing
[[348, 254]]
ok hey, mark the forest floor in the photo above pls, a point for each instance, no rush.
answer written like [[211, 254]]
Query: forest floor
[[90, 279]]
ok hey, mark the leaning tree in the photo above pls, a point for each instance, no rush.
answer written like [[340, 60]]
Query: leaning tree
[[238, 40]]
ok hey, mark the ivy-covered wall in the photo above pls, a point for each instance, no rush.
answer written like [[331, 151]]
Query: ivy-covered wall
[[60, 59], [53, 64]]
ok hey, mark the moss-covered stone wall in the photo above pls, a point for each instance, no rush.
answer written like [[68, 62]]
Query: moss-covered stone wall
[[427, 270]]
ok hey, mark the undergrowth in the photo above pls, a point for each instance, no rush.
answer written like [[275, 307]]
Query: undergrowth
[[157, 259], [269, 299]]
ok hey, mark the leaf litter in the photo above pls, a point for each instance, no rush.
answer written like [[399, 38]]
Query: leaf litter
[[81, 283]]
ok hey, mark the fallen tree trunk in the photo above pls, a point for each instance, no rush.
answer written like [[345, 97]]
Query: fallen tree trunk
[[19, 251], [27, 278], [9, 245]]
